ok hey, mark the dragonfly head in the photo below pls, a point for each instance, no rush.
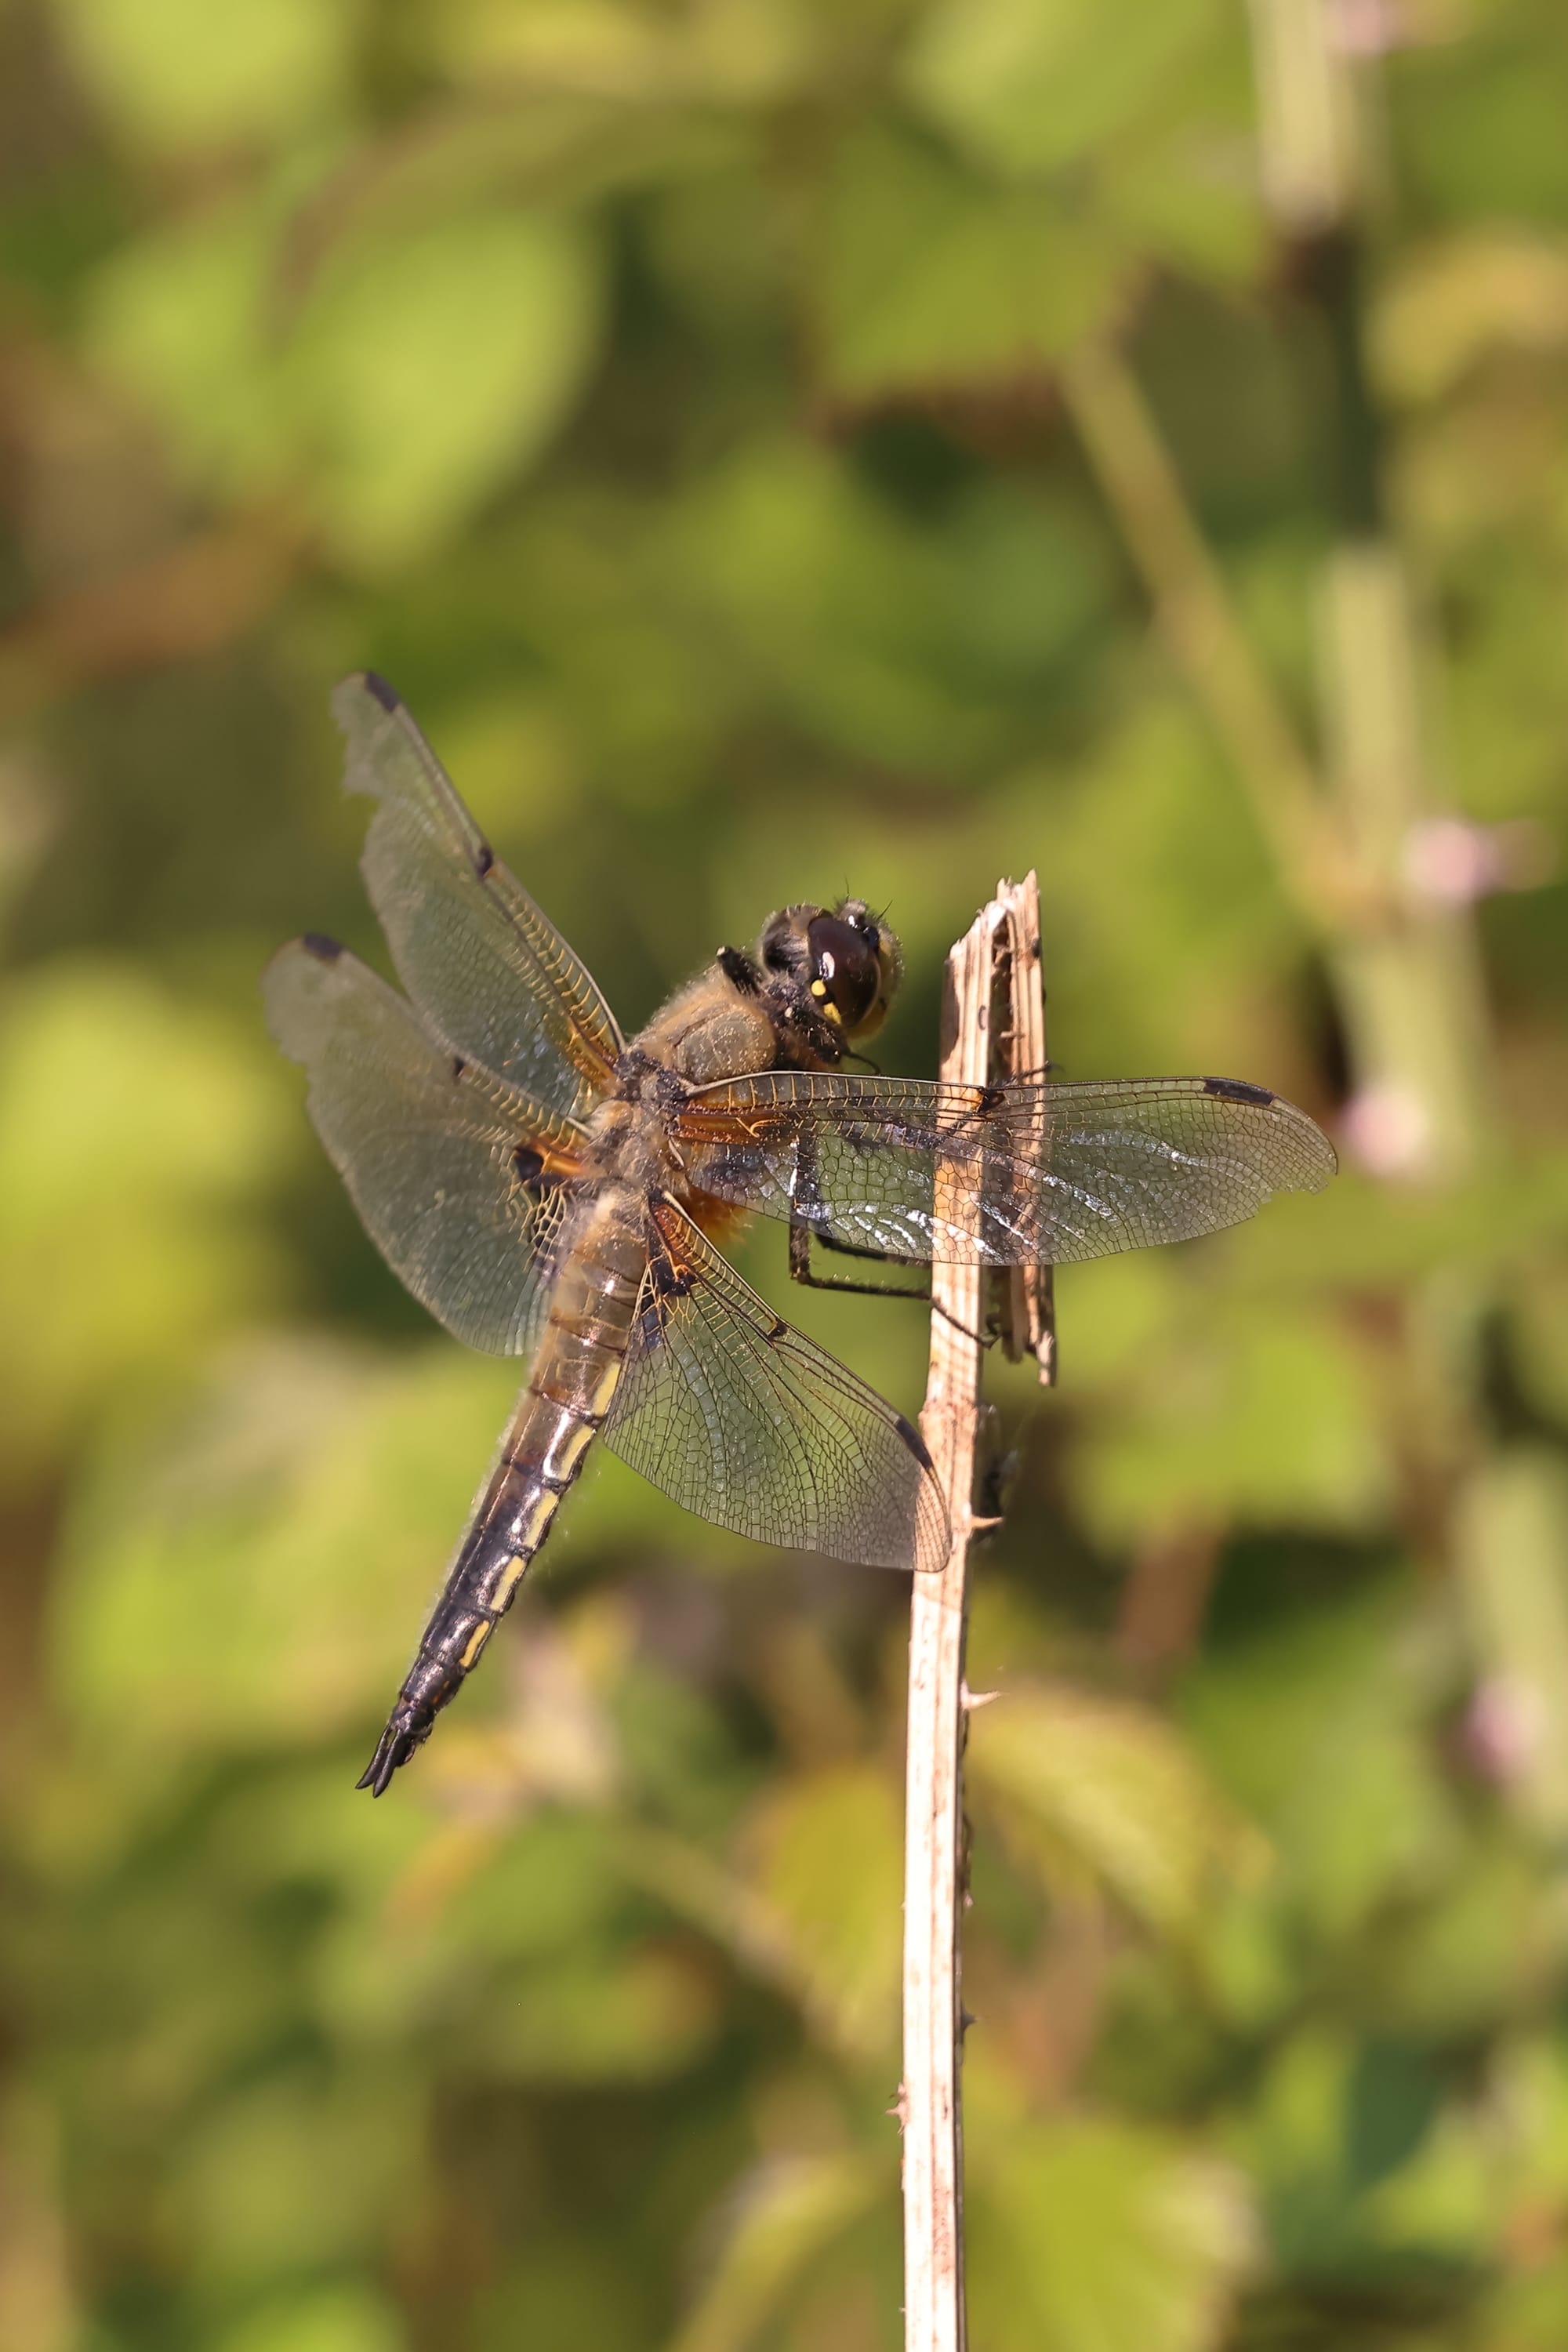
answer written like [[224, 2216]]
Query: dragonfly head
[[844, 958]]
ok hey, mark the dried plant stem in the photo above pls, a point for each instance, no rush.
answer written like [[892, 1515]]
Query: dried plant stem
[[1001, 949]]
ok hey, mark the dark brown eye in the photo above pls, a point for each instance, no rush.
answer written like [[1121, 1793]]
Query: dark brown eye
[[844, 970]]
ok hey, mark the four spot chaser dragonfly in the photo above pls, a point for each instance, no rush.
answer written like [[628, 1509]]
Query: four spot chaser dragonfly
[[547, 1189]]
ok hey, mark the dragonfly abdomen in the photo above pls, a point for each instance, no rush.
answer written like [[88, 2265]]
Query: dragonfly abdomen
[[560, 1412]]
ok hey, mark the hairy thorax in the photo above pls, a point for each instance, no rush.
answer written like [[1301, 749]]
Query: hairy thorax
[[707, 1030]]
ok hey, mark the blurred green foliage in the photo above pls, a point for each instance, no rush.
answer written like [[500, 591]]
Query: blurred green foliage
[[669, 398]]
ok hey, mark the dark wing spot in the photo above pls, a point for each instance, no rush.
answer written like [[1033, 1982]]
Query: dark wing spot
[[459, 1066], [318, 944], [669, 1280], [530, 1167], [780, 1328], [651, 1327], [1238, 1090], [915, 1442], [386, 695], [484, 858]]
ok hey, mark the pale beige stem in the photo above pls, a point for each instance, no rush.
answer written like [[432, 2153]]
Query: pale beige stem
[[1000, 950], [1028, 1319]]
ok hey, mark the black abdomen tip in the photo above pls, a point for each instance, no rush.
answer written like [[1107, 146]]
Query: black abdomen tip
[[1238, 1090], [396, 1745], [318, 944]]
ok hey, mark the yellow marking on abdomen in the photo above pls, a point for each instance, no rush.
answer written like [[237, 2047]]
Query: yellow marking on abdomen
[[531, 1533], [476, 1642], [567, 1445], [511, 1577]]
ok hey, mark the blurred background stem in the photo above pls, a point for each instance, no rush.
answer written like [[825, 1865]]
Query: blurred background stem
[[1402, 954]]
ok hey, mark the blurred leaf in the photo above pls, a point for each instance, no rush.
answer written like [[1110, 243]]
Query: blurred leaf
[[926, 280], [1104, 1798], [271, 1564], [283, 2173], [786, 2216], [595, 47], [1091, 2236], [323, 2319], [559, 2289], [433, 369], [827, 1852], [136, 1134], [176, 318], [423, 373], [1324, 1731], [27, 821], [1029, 84], [176, 75], [841, 605], [1224, 1409], [1458, 302], [734, 52], [636, 2020]]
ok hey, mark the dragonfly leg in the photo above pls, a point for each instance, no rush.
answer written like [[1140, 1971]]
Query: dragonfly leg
[[801, 1236]]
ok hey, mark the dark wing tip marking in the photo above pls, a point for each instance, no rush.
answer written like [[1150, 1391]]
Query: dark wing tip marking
[[484, 858], [318, 944], [387, 695], [915, 1442], [1239, 1090]]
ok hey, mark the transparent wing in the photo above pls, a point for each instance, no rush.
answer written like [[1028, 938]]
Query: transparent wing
[[461, 1182], [742, 1419], [1063, 1173], [489, 973]]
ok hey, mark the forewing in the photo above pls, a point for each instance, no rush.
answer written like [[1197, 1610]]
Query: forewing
[[461, 1182], [1062, 1172], [491, 975], [741, 1418]]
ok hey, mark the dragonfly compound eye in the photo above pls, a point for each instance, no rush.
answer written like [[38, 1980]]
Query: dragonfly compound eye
[[846, 977]]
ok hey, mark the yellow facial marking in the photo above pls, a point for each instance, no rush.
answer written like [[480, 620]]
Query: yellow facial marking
[[476, 1640], [819, 989]]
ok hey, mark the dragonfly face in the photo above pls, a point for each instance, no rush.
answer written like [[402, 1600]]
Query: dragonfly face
[[549, 1190]]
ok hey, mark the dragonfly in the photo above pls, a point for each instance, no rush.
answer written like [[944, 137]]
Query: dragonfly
[[549, 1190]]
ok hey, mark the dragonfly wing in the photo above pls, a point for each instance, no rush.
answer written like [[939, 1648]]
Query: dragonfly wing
[[1062, 1172], [490, 974], [739, 1417], [461, 1181]]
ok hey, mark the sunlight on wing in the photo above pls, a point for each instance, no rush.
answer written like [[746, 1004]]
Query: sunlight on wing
[[741, 1418], [1064, 1172], [455, 1177], [492, 976]]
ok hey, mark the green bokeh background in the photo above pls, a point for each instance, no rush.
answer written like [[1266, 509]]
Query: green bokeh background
[[778, 445]]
